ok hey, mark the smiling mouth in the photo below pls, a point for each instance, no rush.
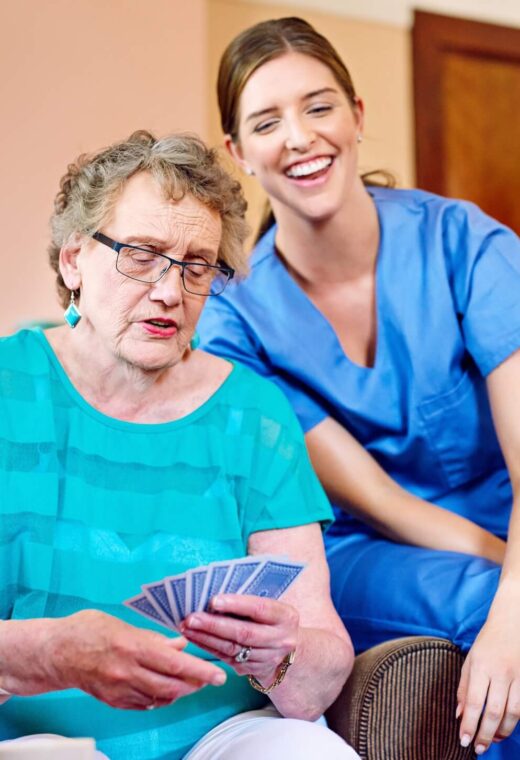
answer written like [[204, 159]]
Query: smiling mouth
[[308, 169]]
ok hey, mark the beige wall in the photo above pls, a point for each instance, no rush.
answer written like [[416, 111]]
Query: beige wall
[[75, 75], [379, 59]]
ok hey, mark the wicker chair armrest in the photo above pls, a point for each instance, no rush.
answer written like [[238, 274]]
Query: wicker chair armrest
[[399, 702]]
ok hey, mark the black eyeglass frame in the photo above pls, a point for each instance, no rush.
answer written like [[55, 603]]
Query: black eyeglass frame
[[225, 270]]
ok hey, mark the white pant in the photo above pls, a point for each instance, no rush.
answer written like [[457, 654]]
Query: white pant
[[45, 744], [261, 734]]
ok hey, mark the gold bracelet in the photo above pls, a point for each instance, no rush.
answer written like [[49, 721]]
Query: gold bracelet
[[280, 675]]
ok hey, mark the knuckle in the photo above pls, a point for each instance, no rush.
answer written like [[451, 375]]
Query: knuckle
[[473, 705], [230, 648], [514, 710], [174, 664], [260, 607], [245, 635], [289, 643], [293, 615], [172, 693], [494, 713], [120, 648], [211, 624], [116, 675]]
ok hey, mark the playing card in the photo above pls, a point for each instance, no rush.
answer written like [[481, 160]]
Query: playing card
[[142, 605], [217, 572], [239, 572], [176, 592], [272, 579], [158, 598], [195, 580], [170, 600]]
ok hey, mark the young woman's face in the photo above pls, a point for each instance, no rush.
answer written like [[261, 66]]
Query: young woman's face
[[298, 133]]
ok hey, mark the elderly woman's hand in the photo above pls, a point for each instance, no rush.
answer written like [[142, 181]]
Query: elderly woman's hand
[[268, 627], [126, 667]]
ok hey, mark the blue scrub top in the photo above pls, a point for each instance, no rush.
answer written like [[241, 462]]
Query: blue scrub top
[[448, 312]]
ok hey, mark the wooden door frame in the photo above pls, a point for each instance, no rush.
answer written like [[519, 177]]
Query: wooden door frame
[[432, 36]]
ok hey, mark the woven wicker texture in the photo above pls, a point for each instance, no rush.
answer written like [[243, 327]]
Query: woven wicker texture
[[400, 701]]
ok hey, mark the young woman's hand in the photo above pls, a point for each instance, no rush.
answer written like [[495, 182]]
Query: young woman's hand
[[126, 667], [489, 689]]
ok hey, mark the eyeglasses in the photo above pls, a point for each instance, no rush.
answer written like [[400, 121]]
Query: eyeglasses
[[147, 266]]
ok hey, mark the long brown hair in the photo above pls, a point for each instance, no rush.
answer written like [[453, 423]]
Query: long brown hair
[[262, 43]]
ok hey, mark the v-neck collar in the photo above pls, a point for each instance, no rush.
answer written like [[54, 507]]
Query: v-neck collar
[[320, 329]]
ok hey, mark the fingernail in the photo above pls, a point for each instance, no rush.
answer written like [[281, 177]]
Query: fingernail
[[458, 711], [480, 749], [219, 679], [193, 622], [217, 603], [465, 741]]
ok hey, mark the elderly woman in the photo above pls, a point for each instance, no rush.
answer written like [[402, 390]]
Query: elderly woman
[[127, 455]]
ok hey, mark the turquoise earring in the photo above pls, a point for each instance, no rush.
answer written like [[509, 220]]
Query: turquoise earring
[[195, 340], [72, 314]]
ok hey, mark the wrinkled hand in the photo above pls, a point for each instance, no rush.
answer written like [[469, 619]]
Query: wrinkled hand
[[126, 667], [489, 688], [269, 627]]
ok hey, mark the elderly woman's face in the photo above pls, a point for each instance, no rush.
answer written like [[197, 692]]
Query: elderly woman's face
[[148, 325]]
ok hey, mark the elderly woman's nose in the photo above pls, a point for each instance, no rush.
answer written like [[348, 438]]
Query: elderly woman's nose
[[299, 135], [169, 288]]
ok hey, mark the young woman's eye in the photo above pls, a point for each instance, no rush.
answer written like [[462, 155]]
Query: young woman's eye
[[265, 126], [320, 109]]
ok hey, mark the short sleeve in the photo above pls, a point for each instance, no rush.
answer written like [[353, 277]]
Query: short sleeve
[[225, 332], [282, 489], [486, 258]]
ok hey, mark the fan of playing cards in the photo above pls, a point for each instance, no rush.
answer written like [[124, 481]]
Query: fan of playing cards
[[173, 598]]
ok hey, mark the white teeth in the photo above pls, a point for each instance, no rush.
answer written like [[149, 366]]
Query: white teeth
[[310, 167]]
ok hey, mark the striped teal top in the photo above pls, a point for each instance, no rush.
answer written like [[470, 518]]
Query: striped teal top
[[92, 507]]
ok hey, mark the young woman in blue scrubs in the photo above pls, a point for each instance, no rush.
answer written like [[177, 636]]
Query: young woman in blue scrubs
[[391, 319]]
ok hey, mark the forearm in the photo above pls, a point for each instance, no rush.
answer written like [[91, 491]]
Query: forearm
[[24, 664], [401, 516], [324, 653], [507, 597], [322, 664], [356, 482]]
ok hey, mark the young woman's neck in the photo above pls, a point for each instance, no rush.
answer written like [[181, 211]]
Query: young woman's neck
[[342, 247]]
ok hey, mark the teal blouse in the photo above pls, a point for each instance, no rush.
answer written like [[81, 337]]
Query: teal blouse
[[92, 507]]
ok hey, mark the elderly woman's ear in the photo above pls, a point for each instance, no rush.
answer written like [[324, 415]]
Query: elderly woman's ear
[[69, 260]]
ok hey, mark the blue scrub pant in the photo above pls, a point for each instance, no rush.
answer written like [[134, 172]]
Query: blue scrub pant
[[384, 590]]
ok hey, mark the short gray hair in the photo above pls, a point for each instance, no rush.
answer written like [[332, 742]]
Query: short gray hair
[[182, 165]]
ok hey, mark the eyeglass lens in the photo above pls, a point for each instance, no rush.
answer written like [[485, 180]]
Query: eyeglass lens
[[147, 266]]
